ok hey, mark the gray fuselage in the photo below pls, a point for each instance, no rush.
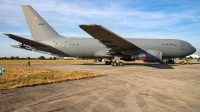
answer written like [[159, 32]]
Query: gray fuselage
[[91, 48]]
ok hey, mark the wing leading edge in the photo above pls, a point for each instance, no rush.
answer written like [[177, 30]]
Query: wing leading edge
[[108, 38]]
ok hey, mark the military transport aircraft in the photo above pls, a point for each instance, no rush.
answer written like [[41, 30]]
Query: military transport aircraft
[[104, 44]]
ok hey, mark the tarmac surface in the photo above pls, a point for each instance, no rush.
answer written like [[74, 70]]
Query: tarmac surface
[[137, 87]]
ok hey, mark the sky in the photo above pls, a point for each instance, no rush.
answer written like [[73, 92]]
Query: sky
[[158, 19]]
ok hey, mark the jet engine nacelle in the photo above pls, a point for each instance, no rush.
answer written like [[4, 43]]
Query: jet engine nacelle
[[149, 56]]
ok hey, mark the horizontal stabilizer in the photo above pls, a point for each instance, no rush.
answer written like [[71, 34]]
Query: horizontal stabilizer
[[32, 49], [26, 41]]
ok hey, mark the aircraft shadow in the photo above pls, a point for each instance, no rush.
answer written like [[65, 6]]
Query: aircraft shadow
[[153, 65], [195, 62]]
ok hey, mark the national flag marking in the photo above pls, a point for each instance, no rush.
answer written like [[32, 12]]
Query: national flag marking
[[36, 18]]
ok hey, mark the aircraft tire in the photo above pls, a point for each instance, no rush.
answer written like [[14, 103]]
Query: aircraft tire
[[107, 63], [114, 64], [121, 64]]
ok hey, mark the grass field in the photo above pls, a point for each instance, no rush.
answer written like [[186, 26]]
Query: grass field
[[19, 62], [17, 75]]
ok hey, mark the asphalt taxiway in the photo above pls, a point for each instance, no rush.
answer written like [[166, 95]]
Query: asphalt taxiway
[[135, 87]]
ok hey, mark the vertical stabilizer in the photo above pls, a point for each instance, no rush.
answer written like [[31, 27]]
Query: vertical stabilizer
[[39, 28]]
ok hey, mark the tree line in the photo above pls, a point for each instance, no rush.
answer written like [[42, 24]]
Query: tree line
[[26, 58]]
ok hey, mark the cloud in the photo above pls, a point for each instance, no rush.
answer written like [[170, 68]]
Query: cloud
[[85, 12], [142, 19]]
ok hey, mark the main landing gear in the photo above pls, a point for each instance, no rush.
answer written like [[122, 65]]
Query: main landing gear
[[116, 62]]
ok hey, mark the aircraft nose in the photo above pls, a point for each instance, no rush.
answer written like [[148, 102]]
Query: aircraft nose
[[193, 49]]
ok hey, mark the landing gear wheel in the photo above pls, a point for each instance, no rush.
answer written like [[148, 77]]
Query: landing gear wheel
[[182, 63], [114, 64], [121, 64], [107, 63]]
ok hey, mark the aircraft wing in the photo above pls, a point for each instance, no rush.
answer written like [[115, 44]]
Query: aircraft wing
[[108, 38], [26, 41]]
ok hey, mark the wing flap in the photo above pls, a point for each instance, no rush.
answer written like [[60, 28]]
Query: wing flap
[[26, 41], [108, 38]]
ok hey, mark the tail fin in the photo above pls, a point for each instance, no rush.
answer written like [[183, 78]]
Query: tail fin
[[39, 28]]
